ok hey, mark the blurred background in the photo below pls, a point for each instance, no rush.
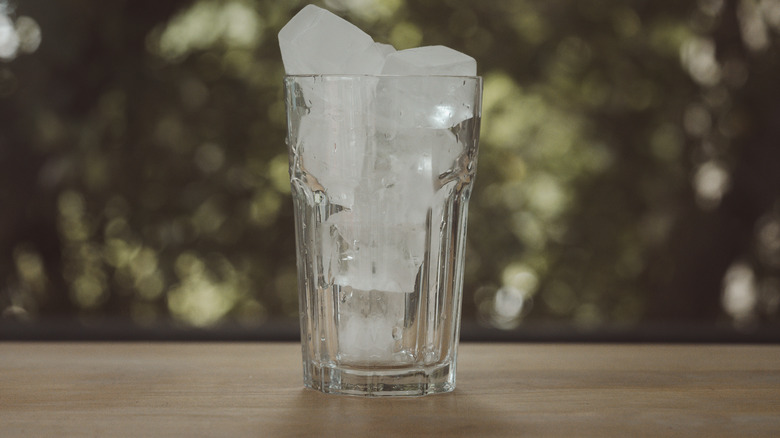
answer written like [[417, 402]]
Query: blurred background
[[628, 178]]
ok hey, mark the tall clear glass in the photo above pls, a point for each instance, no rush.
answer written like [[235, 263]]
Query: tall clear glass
[[381, 169]]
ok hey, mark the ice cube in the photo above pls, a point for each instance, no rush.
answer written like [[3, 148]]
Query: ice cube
[[379, 242], [376, 249], [334, 135], [384, 231], [368, 321], [434, 152], [370, 61], [316, 41], [336, 170], [430, 60], [423, 102], [382, 238]]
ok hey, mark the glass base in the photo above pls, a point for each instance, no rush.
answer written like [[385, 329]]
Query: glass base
[[380, 382]]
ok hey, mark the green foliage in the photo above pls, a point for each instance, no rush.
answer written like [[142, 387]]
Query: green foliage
[[627, 170]]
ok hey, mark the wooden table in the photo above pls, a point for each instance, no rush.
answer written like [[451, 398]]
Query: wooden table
[[254, 389]]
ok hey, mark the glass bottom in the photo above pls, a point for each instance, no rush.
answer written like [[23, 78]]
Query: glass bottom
[[380, 382]]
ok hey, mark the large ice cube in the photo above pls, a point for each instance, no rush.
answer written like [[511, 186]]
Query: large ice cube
[[370, 61], [369, 324], [316, 41], [381, 239], [430, 60], [419, 101], [375, 249], [334, 136], [433, 153], [423, 102]]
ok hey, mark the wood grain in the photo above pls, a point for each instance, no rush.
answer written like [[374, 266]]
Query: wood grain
[[255, 389]]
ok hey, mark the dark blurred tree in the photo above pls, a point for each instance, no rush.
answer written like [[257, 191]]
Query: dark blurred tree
[[628, 167]]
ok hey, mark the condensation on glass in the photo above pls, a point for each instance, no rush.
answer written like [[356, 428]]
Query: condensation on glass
[[381, 170]]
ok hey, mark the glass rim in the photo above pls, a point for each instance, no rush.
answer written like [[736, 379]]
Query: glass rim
[[352, 75]]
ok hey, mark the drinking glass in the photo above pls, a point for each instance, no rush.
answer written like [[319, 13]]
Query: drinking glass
[[381, 169]]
